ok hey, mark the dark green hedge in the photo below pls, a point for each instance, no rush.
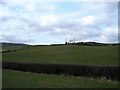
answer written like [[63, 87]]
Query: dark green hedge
[[110, 72]]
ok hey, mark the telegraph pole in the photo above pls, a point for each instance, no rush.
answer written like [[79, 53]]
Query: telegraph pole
[[65, 40], [74, 40]]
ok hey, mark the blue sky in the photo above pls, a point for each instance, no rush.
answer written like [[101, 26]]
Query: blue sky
[[53, 22]]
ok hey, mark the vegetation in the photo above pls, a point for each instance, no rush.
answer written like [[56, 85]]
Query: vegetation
[[12, 46], [15, 79], [65, 54], [85, 54], [108, 72]]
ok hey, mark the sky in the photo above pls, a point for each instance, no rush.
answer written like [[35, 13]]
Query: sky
[[36, 22]]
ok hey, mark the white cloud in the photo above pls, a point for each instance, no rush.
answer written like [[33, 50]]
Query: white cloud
[[57, 30], [109, 34], [46, 23], [88, 20], [49, 20]]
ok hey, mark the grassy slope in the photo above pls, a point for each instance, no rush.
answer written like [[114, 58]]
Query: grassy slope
[[12, 46], [97, 55], [15, 79], [1, 49], [0, 78]]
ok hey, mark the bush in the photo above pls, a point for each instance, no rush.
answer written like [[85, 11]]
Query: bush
[[110, 72]]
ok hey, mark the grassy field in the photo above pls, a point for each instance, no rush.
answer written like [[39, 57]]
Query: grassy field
[[1, 49], [11, 46], [17, 79], [95, 55], [71, 54]]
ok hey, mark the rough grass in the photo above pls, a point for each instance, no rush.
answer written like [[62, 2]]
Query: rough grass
[[95, 55], [15, 79], [11, 47]]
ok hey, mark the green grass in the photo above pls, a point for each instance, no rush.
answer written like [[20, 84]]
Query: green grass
[[17, 79], [0, 78], [95, 55], [14, 47], [1, 50]]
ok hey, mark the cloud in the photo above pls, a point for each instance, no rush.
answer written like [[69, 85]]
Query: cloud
[[49, 20], [109, 34], [88, 21], [40, 22]]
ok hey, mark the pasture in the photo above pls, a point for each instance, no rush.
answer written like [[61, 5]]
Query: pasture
[[16, 79], [63, 54], [88, 55]]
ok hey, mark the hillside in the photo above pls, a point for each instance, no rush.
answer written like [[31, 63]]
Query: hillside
[[65, 54], [17, 79], [61, 69], [12, 46]]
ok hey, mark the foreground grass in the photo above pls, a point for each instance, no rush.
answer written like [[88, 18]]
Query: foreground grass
[[0, 78], [16, 79], [95, 55]]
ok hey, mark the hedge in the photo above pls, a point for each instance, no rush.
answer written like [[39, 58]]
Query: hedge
[[110, 72]]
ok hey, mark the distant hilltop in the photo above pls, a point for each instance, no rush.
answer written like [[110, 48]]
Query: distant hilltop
[[89, 44], [4, 44], [92, 43]]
